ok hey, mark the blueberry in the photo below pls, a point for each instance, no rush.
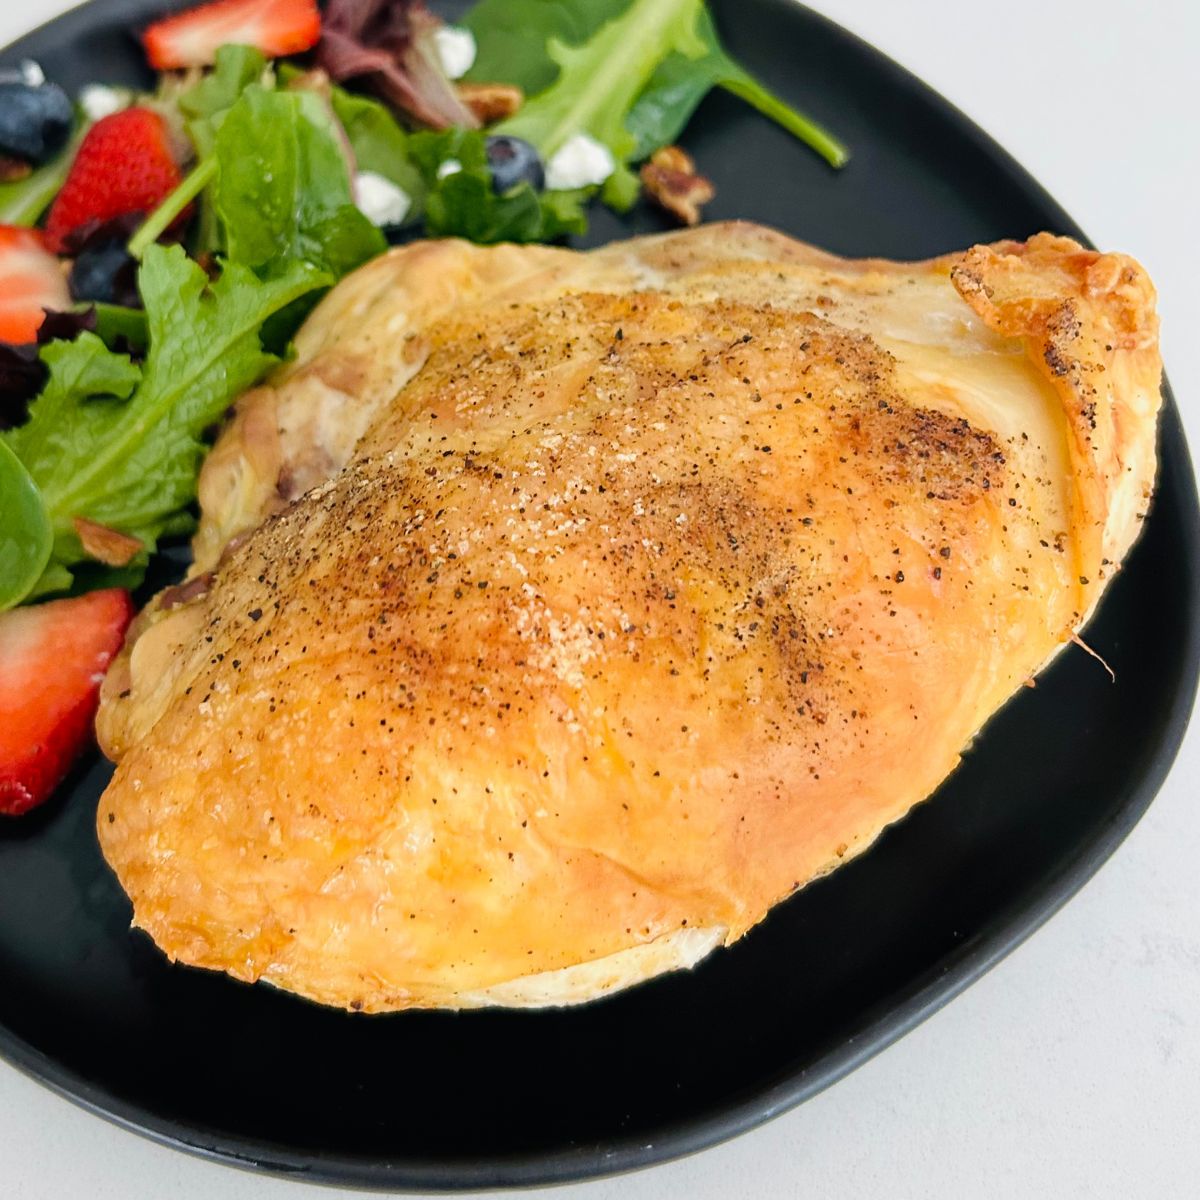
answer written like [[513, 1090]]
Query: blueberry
[[512, 160], [105, 272], [35, 122]]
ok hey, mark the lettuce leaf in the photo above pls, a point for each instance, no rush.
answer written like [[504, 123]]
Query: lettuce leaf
[[121, 444]]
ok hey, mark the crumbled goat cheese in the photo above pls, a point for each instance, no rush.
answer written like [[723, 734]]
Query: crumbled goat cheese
[[32, 73], [450, 167], [99, 101], [380, 200], [456, 48], [580, 162]]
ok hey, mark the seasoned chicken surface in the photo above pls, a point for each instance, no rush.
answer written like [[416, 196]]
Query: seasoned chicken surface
[[554, 615]]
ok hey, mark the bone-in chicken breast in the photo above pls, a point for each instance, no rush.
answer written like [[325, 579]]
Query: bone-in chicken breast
[[556, 614]]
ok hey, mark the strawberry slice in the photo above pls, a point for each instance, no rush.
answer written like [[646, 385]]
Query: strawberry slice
[[52, 659], [191, 38], [125, 164], [31, 279]]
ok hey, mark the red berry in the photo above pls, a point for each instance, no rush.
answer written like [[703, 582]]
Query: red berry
[[52, 659], [125, 164], [31, 279], [192, 38]]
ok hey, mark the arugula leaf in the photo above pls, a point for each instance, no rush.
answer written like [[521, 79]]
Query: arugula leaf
[[378, 142], [25, 534], [600, 79], [463, 204], [282, 189], [121, 445]]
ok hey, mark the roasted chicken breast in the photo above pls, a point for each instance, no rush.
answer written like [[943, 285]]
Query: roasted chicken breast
[[556, 614]]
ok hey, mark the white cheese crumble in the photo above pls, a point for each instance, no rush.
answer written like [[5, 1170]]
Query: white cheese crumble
[[98, 100], [580, 162], [450, 167], [456, 49], [32, 73], [380, 200]]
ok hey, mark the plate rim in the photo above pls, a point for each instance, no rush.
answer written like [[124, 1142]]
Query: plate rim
[[953, 974]]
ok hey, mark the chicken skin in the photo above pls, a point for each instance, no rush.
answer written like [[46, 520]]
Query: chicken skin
[[555, 614]]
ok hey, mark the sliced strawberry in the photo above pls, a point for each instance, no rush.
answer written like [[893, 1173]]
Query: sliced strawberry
[[192, 38], [125, 164], [52, 659], [31, 279]]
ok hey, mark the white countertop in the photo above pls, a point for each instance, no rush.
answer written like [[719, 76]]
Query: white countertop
[[1073, 1068]]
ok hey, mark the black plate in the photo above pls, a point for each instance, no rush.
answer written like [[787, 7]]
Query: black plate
[[439, 1100]]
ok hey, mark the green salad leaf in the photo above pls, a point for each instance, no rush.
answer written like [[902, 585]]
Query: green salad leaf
[[599, 81], [25, 533], [116, 324], [121, 444], [511, 37], [563, 52], [206, 102], [282, 188], [378, 142], [463, 204], [203, 107]]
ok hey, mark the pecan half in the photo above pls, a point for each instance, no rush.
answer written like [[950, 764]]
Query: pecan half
[[13, 169], [491, 102], [108, 546], [671, 179]]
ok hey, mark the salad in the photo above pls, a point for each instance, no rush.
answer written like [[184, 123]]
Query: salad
[[158, 251]]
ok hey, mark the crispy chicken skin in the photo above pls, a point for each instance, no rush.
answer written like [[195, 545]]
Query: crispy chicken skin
[[554, 615]]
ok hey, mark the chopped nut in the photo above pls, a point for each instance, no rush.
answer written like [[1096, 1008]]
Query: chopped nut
[[106, 545], [12, 169], [671, 179], [491, 102]]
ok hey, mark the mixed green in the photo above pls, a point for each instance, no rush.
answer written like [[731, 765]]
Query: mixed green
[[116, 412]]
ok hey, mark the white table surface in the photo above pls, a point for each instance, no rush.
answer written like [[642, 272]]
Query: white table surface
[[1073, 1068]]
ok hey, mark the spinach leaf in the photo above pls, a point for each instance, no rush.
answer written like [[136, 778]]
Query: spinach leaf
[[25, 534], [378, 142], [282, 188], [680, 83], [204, 106]]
